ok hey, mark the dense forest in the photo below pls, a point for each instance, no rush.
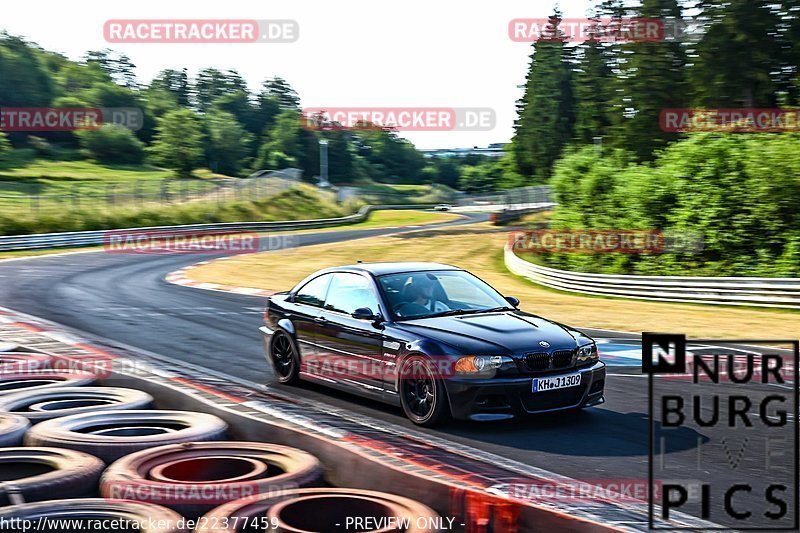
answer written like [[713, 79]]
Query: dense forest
[[207, 120], [589, 125]]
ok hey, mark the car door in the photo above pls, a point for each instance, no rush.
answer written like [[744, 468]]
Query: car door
[[305, 316], [354, 346]]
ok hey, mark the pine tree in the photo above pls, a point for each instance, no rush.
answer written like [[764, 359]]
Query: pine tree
[[651, 78], [739, 54], [594, 86], [546, 113]]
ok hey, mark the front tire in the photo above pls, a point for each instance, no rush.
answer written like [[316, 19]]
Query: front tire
[[422, 392], [285, 358]]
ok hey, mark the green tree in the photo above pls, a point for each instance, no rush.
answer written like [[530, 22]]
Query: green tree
[[739, 55], [178, 142], [118, 67], [594, 86], [546, 113], [289, 137], [212, 84], [340, 156], [791, 46], [238, 104], [267, 110], [391, 159], [24, 80], [175, 82], [282, 92], [481, 178], [228, 143], [447, 171], [74, 78], [158, 101], [651, 79], [112, 143]]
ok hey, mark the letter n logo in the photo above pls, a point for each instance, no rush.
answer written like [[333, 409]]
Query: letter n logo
[[663, 353]]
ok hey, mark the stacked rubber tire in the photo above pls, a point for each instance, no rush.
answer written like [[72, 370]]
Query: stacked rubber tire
[[71, 450]]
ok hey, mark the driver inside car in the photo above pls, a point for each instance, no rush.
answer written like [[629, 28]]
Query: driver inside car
[[418, 294]]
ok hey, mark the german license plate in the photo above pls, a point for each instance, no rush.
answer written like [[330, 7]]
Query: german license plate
[[556, 382]]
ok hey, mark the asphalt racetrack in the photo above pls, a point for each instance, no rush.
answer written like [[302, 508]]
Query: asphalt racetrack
[[125, 299]]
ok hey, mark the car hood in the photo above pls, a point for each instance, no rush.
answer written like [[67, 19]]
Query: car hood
[[507, 332]]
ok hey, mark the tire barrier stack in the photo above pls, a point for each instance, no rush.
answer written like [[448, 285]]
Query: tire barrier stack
[[35, 381], [245, 469], [72, 450], [110, 435], [41, 405]]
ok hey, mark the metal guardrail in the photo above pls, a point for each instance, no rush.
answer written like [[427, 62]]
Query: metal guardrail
[[749, 291], [95, 238]]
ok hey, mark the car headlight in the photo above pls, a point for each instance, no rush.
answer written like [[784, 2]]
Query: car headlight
[[588, 353], [473, 364]]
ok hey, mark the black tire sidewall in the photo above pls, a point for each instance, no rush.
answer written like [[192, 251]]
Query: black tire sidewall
[[294, 374], [441, 406]]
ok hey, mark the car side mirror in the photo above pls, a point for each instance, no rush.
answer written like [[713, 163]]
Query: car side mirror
[[364, 313], [513, 301]]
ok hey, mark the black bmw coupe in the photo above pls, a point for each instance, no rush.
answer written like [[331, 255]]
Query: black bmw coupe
[[431, 338]]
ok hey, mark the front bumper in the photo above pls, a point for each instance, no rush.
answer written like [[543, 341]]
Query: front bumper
[[497, 399]]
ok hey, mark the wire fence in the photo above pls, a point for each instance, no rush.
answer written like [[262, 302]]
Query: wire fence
[[143, 193], [520, 196]]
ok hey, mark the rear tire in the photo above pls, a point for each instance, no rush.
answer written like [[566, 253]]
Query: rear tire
[[285, 358], [422, 392]]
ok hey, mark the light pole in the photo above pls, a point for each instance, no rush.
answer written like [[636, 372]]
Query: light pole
[[323, 163]]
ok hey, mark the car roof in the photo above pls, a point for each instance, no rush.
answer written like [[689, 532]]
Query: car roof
[[379, 269]]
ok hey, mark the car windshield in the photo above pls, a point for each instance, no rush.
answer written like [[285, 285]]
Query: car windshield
[[438, 293]]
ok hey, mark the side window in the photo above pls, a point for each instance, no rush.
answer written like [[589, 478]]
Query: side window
[[348, 292], [313, 292]]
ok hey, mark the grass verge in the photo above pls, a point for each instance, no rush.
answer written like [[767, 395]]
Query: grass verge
[[301, 202], [479, 250]]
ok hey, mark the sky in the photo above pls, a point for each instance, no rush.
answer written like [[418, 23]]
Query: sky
[[350, 53]]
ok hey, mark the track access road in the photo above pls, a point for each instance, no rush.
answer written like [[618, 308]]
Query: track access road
[[124, 299]]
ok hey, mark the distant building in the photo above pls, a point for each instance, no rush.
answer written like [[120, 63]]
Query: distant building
[[493, 150]]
